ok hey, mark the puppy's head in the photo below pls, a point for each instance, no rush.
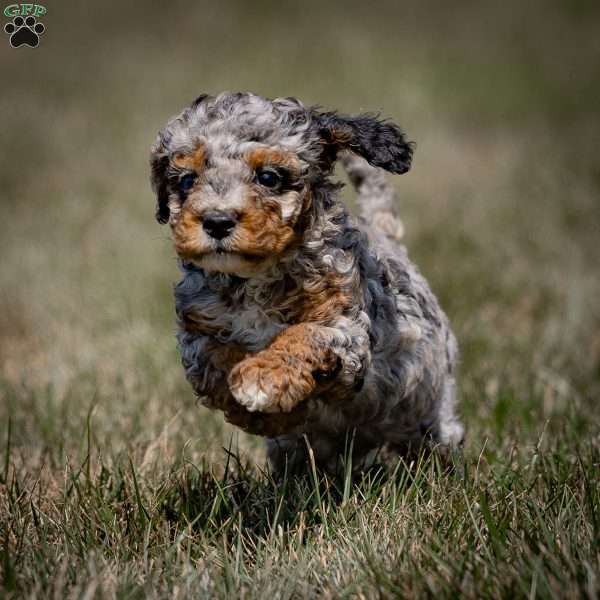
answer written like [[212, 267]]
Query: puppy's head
[[235, 173]]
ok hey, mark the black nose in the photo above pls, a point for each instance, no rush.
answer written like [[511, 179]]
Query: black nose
[[218, 225]]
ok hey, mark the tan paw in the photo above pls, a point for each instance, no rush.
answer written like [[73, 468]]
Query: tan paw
[[270, 383]]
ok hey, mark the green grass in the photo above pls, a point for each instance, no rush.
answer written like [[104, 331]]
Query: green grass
[[513, 523], [115, 484]]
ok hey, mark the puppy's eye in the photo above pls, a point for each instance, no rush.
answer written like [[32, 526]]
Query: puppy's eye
[[186, 182], [268, 178]]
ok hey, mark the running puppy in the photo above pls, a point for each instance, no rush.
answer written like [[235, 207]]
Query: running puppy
[[300, 322]]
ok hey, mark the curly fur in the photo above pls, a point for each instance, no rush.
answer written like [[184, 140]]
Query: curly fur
[[304, 324]]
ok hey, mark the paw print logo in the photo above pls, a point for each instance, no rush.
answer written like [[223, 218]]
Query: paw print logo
[[24, 32]]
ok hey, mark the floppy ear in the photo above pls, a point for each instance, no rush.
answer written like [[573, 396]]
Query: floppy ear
[[159, 162], [382, 143]]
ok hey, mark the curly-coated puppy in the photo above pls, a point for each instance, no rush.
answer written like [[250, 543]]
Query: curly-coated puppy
[[298, 321]]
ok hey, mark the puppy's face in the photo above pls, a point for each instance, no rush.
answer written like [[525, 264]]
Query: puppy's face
[[233, 175], [233, 206]]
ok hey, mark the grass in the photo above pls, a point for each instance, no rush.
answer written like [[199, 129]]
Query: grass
[[115, 484], [513, 524]]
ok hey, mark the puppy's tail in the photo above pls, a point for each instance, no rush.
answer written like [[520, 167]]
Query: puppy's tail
[[377, 197]]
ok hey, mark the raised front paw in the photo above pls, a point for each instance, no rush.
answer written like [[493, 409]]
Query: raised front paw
[[270, 383]]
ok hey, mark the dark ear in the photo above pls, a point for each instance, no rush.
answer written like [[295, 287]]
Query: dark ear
[[159, 162], [381, 143]]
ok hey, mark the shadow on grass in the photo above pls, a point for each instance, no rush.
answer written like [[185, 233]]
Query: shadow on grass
[[257, 503]]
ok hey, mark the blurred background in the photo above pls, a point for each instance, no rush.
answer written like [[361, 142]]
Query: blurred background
[[501, 209]]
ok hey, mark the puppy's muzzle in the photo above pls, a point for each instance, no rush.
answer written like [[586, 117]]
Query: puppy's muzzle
[[219, 225]]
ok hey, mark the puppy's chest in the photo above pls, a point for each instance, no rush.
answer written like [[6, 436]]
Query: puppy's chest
[[247, 317], [251, 326]]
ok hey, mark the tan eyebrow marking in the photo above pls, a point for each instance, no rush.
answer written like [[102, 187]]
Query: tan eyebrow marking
[[261, 157], [194, 160]]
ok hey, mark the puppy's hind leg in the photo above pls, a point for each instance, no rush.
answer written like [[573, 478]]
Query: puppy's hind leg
[[287, 455], [450, 431]]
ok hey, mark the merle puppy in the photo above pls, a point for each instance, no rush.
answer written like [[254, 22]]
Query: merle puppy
[[300, 322]]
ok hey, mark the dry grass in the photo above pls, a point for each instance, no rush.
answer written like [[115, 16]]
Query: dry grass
[[115, 484]]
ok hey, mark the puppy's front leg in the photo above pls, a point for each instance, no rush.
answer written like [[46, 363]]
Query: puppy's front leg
[[285, 373]]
